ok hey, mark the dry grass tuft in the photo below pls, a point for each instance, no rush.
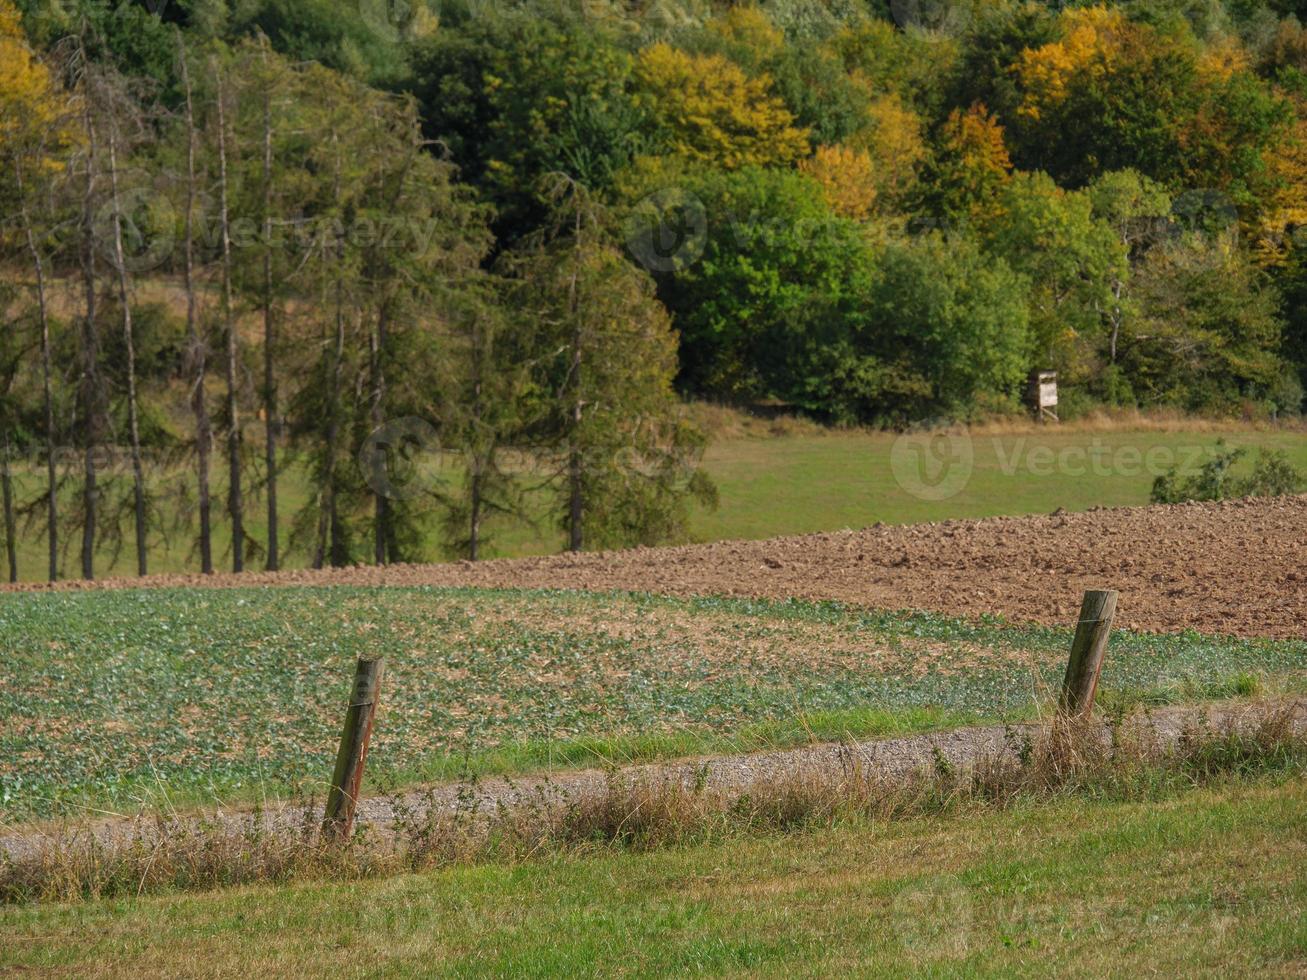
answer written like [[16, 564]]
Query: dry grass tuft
[[1114, 758]]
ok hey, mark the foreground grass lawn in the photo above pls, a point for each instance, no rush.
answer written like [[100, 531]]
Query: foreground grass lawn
[[1211, 882], [816, 480], [130, 700]]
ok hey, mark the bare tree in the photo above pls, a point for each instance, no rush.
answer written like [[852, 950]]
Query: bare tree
[[129, 347], [270, 407], [235, 499], [197, 348], [47, 385], [90, 394]]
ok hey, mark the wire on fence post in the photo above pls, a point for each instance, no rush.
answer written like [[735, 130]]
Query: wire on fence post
[[347, 779], [1087, 651]]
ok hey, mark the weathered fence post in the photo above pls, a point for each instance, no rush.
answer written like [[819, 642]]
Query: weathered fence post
[[348, 777], [1087, 650]]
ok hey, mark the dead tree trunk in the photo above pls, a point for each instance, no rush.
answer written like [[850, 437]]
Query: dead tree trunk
[[89, 381], [272, 430], [47, 386], [129, 348], [235, 498], [198, 351]]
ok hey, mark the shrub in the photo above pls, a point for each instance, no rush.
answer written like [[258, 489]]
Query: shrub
[[1272, 476]]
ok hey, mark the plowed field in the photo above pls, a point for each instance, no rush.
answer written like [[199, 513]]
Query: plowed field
[[1237, 567]]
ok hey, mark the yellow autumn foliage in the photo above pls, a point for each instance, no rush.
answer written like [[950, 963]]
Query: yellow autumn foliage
[[848, 178], [714, 112], [975, 163], [1223, 58], [749, 27], [976, 137], [30, 102], [1287, 213], [1090, 38], [894, 141]]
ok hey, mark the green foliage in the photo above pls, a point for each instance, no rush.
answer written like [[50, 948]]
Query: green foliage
[[957, 320], [1071, 259], [1272, 476], [774, 298], [338, 35], [1208, 329], [626, 456], [515, 95]]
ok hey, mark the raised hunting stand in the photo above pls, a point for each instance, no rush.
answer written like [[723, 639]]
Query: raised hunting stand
[[1041, 394]]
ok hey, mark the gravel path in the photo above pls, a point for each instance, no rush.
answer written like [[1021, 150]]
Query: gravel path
[[731, 776]]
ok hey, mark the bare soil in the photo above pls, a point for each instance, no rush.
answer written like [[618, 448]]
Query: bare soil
[[1234, 567]]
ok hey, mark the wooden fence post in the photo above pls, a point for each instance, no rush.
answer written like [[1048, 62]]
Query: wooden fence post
[[348, 776], [1087, 650]]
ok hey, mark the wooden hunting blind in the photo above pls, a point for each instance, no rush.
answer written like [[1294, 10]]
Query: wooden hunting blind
[[1041, 394]]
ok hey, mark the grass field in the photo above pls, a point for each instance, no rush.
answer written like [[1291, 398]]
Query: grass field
[[124, 700], [1207, 883], [807, 481]]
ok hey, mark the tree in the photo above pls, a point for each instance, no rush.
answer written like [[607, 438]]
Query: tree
[[1113, 94], [894, 141], [197, 348], [235, 432], [1208, 329], [124, 296], [809, 77], [513, 95], [628, 458], [270, 80], [1138, 211], [948, 326], [969, 169], [36, 136], [14, 349], [397, 240], [492, 400], [1072, 261], [848, 178], [995, 42], [706, 108], [91, 393], [364, 41], [264, 94], [779, 281], [415, 290]]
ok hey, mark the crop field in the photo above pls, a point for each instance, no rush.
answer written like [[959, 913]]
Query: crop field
[[122, 700]]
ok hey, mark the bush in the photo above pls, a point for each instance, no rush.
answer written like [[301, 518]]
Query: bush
[[1273, 476]]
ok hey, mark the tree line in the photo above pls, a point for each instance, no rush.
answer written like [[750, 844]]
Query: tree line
[[275, 270]]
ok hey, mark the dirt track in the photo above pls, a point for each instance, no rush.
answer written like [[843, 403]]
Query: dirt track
[[1236, 567], [892, 760]]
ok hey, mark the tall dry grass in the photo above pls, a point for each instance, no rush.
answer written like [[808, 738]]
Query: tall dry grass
[[1062, 757]]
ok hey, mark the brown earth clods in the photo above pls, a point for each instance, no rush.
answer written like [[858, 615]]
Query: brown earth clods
[[1234, 567]]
